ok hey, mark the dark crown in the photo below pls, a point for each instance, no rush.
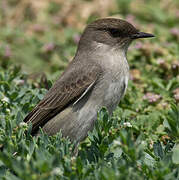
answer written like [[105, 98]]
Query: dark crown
[[115, 26]]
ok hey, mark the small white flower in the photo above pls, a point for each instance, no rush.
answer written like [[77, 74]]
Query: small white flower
[[8, 110], [57, 171], [5, 99], [14, 153], [19, 81], [127, 124], [116, 142], [23, 124]]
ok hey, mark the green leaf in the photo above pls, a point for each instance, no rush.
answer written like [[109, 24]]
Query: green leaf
[[175, 156], [158, 150]]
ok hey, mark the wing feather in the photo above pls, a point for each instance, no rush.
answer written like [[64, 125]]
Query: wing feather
[[65, 91]]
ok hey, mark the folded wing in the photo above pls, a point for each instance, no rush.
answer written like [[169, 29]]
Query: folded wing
[[67, 90]]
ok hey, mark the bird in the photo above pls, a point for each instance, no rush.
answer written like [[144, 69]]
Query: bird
[[96, 77]]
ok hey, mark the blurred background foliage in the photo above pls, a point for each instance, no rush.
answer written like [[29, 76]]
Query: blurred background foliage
[[42, 35], [38, 39]]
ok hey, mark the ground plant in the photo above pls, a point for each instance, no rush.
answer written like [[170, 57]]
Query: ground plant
[[141, 139]]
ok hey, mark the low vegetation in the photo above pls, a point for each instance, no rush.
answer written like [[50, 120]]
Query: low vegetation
[[140, 140]]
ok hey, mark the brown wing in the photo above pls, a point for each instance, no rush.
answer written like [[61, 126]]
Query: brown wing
[[65, 91]]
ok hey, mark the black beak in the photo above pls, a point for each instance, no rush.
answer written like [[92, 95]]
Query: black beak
[[142, 35]]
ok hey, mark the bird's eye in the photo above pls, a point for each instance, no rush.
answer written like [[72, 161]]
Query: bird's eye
[[114, 32]]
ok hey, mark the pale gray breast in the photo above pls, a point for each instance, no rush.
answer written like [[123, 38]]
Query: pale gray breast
[[115, 78], [114, 92]]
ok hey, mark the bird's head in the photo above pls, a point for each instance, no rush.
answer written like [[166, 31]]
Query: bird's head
[[114, 32]]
